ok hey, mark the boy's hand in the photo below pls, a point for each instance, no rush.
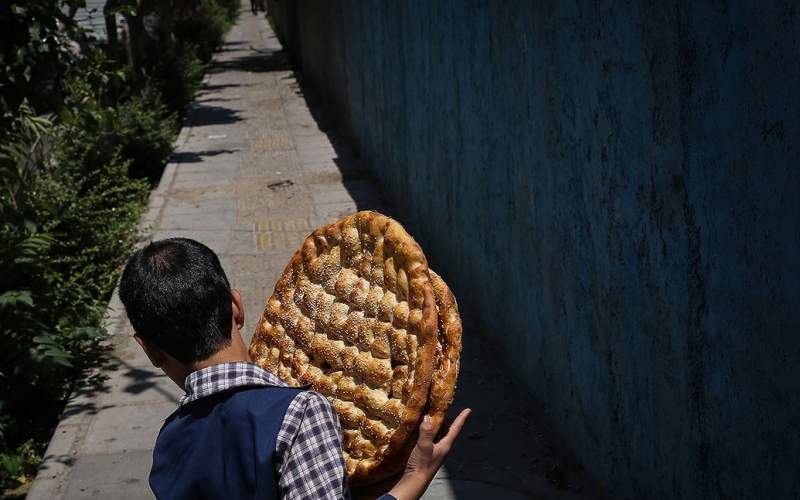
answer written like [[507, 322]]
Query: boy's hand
[[426, 458]]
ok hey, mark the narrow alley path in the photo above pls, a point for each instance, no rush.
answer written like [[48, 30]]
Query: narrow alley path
[[254, 172]]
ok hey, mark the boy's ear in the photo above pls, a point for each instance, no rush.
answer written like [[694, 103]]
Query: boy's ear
[[154, 353], [238, 308]]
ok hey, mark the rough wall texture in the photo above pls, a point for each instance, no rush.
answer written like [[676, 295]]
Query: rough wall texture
[[616, 187]]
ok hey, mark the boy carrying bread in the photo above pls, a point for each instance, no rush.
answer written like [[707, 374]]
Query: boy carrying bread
[[239, 431]]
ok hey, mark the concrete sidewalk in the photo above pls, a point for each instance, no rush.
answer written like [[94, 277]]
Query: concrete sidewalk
[[253, 174]]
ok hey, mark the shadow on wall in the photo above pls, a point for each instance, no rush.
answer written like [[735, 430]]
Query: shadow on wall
[[614, 191], [506, 450]]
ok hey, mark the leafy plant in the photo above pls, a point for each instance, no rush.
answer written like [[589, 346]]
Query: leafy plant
[[23, 462], [195, 30], [34, 54], [146, 133], [69, 217], [178, 75], [31, 353], [72, 187], [203, 28]]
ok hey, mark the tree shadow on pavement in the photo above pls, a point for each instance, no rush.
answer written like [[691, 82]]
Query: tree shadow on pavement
[[231, 46], [106, 387], [197, 156], [214, 87], [256, 61], [204, 114], [251, 60]]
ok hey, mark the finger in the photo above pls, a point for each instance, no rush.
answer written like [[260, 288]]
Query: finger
[[455, 428], [425, 439]]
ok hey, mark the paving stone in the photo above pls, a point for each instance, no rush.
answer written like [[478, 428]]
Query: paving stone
[[200, 219], [458, 489], [329, 194], [144, 383], [195, 177], [111, 476], [127, 352], [59, 455], [331, 212], [217, 204], [128, 427]]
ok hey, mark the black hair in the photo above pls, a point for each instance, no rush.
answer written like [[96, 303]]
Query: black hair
[[178, 297]]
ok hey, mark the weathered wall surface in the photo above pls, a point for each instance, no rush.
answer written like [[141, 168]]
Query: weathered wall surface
[[615, 187]]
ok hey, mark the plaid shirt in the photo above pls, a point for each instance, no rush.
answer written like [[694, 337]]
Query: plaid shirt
[[309, 462]]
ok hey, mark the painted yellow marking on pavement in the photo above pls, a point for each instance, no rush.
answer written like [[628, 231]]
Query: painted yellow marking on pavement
[[272, 143], [286, 234], [300, 224]]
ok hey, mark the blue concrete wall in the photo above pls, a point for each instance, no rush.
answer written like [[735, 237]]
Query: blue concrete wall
[[614, 187]]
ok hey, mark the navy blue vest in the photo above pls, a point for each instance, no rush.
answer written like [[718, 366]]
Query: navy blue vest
[[221, 446]]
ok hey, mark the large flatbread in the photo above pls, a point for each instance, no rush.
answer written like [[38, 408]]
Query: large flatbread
[[359, 316]]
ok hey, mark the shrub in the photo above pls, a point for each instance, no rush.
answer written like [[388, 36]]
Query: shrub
[[178, 76], [53, 290], [69, 217], [195, 36], [197, 33], [146, 131], [204, 29], [22, 462], [141, 129], [92, 216], [231, 8], [72, 188], [35, 53]]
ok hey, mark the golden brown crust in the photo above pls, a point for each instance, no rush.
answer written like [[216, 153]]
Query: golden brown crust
[[354, 314], [448, 352]]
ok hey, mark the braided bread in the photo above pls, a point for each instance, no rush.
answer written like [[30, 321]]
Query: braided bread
[[359, 316]]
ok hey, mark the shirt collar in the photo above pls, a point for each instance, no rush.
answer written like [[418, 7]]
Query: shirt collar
[[224, 376]]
